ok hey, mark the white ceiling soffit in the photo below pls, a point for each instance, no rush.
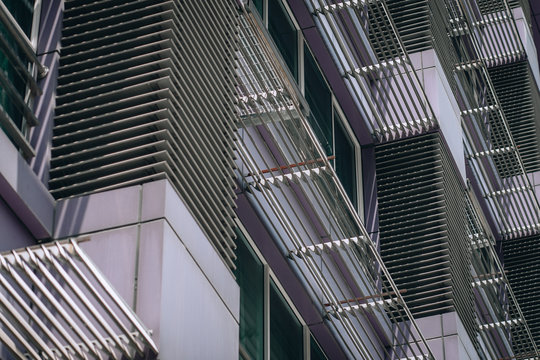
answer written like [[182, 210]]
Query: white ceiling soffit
[[55, 304]]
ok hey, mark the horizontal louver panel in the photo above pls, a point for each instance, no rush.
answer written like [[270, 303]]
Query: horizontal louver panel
[[57, 305], [421, 223], [519, 99], [140, 98], [522, 266]]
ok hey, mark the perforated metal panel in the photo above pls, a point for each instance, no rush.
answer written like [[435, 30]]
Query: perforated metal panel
[[145, 92]]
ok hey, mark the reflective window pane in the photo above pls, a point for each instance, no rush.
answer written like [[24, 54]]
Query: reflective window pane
[[319, 99], [250, 277], [282, 30], [315, 350], [259, 6], [345, 163], [285, 329]]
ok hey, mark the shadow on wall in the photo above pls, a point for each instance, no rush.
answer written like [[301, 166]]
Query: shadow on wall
[[48, 53], [69, 216]]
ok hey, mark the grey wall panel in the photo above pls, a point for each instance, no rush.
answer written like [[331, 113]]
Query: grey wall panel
[[14, 233], [194, 324]]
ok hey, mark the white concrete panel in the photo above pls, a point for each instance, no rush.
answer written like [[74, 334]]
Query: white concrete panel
[[160, 200], [98, 211], [195, 323], [115, 254]]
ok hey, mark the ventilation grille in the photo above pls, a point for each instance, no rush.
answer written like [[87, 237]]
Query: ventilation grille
[[522, 265], [145, 92], [519, 99], [421, 223]]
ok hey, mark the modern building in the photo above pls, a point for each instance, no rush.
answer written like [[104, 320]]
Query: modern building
[[269, 179]]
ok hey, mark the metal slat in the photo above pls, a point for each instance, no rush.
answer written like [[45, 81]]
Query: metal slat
[[139, 100], [74, 311]]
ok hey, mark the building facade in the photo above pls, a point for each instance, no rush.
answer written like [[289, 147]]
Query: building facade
[[269, 179]]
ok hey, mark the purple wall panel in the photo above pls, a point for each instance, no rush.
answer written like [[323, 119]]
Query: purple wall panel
[[48, 51], [14, 233]]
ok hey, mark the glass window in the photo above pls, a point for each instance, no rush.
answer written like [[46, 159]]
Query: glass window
[[22, 12], [345, 162], [259, 4], [315, 350], [319, 99], [283, 31], [329, 127], [250, 277], [285, 329]]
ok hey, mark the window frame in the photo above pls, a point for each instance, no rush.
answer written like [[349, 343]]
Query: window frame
[[357, 154], [269, 276], [20, 135], [336, 107]]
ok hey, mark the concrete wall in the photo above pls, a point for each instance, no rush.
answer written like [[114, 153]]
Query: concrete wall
[[156, 256]]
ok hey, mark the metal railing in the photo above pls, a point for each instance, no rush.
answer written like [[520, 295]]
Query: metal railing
[[16, 112], [292, 185]]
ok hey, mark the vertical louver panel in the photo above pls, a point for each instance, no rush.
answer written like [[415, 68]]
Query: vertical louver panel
[[421, 219], [519, 99], [145, 91], [522, 266]]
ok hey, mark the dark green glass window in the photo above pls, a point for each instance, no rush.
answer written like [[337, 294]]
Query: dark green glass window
[[345, 162], [282, 30], [319, 99], [250, 277], [315, 350], [22, 12], [259, 6], [286, 340]]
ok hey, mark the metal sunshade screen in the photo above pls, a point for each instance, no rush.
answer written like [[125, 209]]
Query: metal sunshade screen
[[54, 304], [291, 181], [412, 21], [522, 264], [145, 92], [367, 46], [497, 308], [519, 99], [421, 223]]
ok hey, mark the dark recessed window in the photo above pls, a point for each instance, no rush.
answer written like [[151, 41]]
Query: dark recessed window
[[285, 330], [250, 277], [259, 6], [315, 350], [22, 12], [319, 99], [282, 30], [345, 162]]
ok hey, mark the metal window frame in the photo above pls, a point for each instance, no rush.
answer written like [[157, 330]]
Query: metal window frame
[[270, 275]]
